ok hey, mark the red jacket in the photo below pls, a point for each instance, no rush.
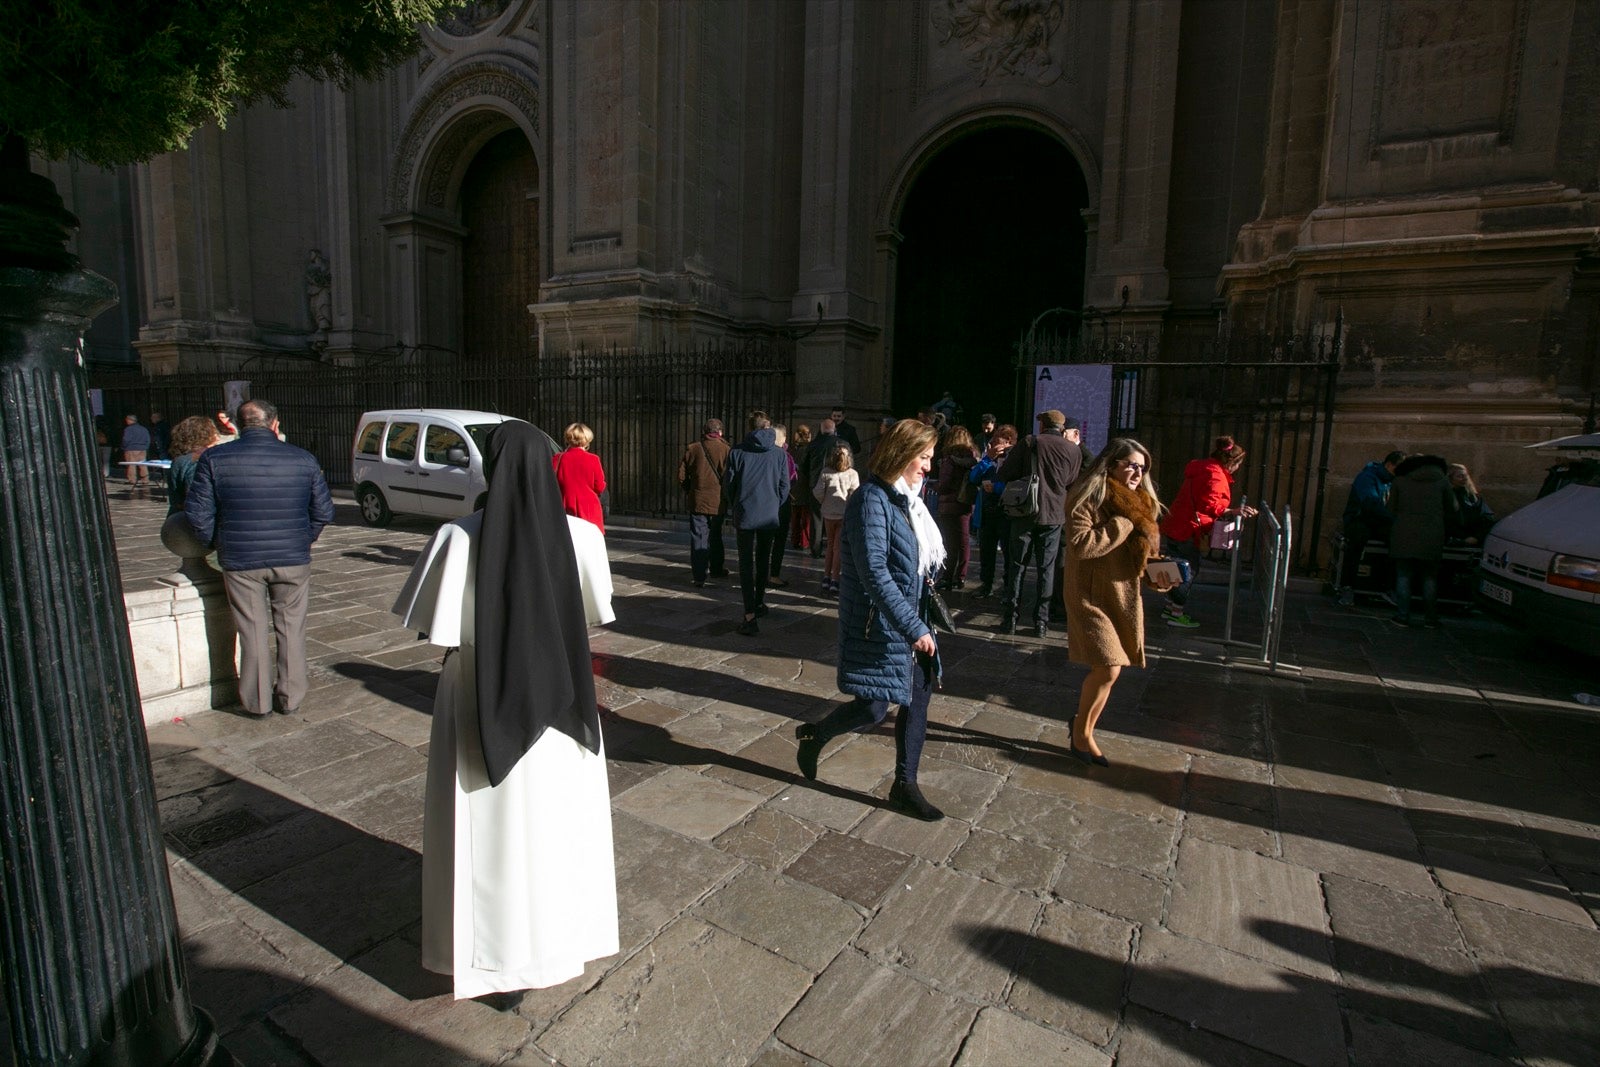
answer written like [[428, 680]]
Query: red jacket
[[1207, 492], [582, 480]]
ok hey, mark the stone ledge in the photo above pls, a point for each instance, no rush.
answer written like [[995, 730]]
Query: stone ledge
[[183, 646]]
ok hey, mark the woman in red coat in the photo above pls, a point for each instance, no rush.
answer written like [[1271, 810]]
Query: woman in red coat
[[1205, 496], [580, 476]]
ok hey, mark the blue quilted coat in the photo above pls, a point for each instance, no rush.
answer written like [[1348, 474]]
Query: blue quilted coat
[[879, 595], [260, 501]]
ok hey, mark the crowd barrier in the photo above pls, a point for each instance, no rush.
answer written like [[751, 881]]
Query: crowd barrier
[[1268, 590]]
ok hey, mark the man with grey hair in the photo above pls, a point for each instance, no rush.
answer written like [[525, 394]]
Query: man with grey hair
[[262, 503], [812, 464], [700, 477]]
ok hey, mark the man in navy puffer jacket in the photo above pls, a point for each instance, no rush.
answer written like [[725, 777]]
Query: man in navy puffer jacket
[[755, 485], [262, 502]]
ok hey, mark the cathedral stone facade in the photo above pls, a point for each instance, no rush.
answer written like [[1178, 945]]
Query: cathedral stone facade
[[905, 186]]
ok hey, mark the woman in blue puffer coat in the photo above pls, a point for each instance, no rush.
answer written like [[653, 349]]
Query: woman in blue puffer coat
[[887, 653]]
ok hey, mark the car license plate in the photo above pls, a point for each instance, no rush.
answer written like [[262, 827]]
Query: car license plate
[[1495, 592]]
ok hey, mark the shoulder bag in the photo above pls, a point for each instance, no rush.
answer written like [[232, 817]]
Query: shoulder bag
[[1020, 498]]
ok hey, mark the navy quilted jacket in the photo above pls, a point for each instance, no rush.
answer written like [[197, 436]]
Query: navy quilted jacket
[[260, 501], [879, 594]]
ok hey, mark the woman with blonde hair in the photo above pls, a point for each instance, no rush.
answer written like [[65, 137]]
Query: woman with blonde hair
[[580, 475], [835, 485], [887, 651], [1474, 517], [1111, 535]]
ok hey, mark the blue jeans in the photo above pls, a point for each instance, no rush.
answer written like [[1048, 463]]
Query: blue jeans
[[1405, 570], [1041, 544], [1185, 552], [705, 545], [910, 726]]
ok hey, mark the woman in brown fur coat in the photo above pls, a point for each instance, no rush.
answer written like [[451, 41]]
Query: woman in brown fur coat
[[1111, 533]]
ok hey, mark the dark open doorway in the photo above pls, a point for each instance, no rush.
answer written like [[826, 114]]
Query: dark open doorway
[[992, 235]]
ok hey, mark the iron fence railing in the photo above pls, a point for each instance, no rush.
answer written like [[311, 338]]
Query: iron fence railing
[[644, 405], [1274, 396]]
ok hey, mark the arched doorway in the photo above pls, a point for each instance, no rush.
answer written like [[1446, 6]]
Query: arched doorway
[[500, 253], [992, 234]]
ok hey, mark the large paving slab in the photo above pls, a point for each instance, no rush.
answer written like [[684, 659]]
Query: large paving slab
[[1393, 857]]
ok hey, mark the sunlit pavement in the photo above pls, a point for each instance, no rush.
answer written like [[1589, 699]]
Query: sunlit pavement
[[1390, 857]]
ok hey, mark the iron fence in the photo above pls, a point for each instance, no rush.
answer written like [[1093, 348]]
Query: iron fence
[[644, 405], [1274, 396]]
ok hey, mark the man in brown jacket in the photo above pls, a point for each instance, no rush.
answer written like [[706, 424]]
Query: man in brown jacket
[[700, 477], [1057, 462]]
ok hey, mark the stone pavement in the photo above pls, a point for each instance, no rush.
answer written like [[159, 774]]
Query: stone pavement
[[1393, 857]]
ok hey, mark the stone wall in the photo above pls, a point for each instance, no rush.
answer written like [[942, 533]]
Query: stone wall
[[184, 647]]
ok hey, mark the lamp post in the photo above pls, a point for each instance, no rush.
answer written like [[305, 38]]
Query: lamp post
[[89, 936]]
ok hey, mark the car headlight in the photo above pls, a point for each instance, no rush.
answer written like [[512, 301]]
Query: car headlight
[[1575, 572]]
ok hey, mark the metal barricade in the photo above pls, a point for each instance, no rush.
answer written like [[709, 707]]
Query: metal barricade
[[1269, 585]]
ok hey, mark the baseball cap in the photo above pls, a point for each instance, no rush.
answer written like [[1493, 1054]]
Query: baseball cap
[[1052, 418]]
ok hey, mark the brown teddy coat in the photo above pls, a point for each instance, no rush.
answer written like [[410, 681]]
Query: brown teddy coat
[[1106, 550]]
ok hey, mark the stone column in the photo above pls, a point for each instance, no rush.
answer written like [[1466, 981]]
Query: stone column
[[1142, 83], [89, 946]]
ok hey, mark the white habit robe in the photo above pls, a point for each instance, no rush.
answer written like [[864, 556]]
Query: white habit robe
[[519, 887]]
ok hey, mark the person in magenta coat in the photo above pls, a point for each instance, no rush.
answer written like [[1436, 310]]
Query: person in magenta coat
[[1205, 496], [580, 476]]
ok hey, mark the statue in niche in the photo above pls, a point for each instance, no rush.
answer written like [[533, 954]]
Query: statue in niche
[[470, 18], [319, 297], [1004, 36]]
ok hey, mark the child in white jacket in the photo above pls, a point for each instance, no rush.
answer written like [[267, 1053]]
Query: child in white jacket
[[834, 486]]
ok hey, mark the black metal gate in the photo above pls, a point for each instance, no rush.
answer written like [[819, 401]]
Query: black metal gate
[[645, 406], [1176, 395]]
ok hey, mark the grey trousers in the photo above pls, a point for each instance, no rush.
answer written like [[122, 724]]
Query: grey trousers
[[270, 599]]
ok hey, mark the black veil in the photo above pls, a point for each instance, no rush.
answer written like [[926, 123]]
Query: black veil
[[532, 638]]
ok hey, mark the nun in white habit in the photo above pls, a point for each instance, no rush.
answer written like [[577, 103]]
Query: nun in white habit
[[518, 880]]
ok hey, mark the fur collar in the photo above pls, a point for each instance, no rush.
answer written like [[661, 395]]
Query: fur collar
[[1138, 509]]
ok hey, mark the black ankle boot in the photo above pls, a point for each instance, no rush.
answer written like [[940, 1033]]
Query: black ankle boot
[[1008, 621], [909, 799], [808, 751]]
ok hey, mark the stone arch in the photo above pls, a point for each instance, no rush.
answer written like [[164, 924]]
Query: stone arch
[[927, 146], [470, 105]]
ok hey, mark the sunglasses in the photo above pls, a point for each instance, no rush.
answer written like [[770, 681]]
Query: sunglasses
[[1128, 464]]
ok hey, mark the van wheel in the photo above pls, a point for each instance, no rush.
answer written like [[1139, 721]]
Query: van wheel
[[374, 508], [483, 498]]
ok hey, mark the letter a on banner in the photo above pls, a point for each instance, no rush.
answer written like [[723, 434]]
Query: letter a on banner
[[1082, 390]]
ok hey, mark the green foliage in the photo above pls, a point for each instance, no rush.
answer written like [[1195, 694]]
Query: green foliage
[[118, 81]]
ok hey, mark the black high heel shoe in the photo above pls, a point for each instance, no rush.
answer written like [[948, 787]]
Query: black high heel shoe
[[1083, 755]]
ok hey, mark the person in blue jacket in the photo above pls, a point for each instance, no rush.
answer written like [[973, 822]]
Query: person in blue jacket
[[887, 652], [755, 486], [262, 503], [994, 526], [1366, 517]]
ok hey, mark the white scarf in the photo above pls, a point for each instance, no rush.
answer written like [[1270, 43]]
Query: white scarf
[[930, 542]]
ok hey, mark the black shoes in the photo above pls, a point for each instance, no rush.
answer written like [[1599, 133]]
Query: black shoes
[[1083, 755], [808, 751], [778, 583], [761, 611], [748, 628], [1008, 621], [909, 799], [1040, 629], [984, 593]]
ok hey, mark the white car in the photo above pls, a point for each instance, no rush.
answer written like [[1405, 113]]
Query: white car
[[1540, 568], [420, 461]]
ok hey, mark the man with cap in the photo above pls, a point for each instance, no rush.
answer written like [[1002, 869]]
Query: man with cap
[[1057, 462], [700, 477]]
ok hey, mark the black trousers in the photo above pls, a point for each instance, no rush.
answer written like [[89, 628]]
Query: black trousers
[[1038, 544], [755, 555]]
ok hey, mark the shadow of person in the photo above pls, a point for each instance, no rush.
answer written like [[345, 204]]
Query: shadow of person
[[632, 741]]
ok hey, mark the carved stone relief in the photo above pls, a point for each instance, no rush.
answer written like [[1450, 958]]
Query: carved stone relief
[[471, 80], [1004, 37], [472, 18], [1448, 69]]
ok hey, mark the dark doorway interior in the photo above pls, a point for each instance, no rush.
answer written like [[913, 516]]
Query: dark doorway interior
[[993, 235], [500, 256]]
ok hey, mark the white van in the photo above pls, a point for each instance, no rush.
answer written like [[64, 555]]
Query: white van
[[420, 461], [1540, 568]]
